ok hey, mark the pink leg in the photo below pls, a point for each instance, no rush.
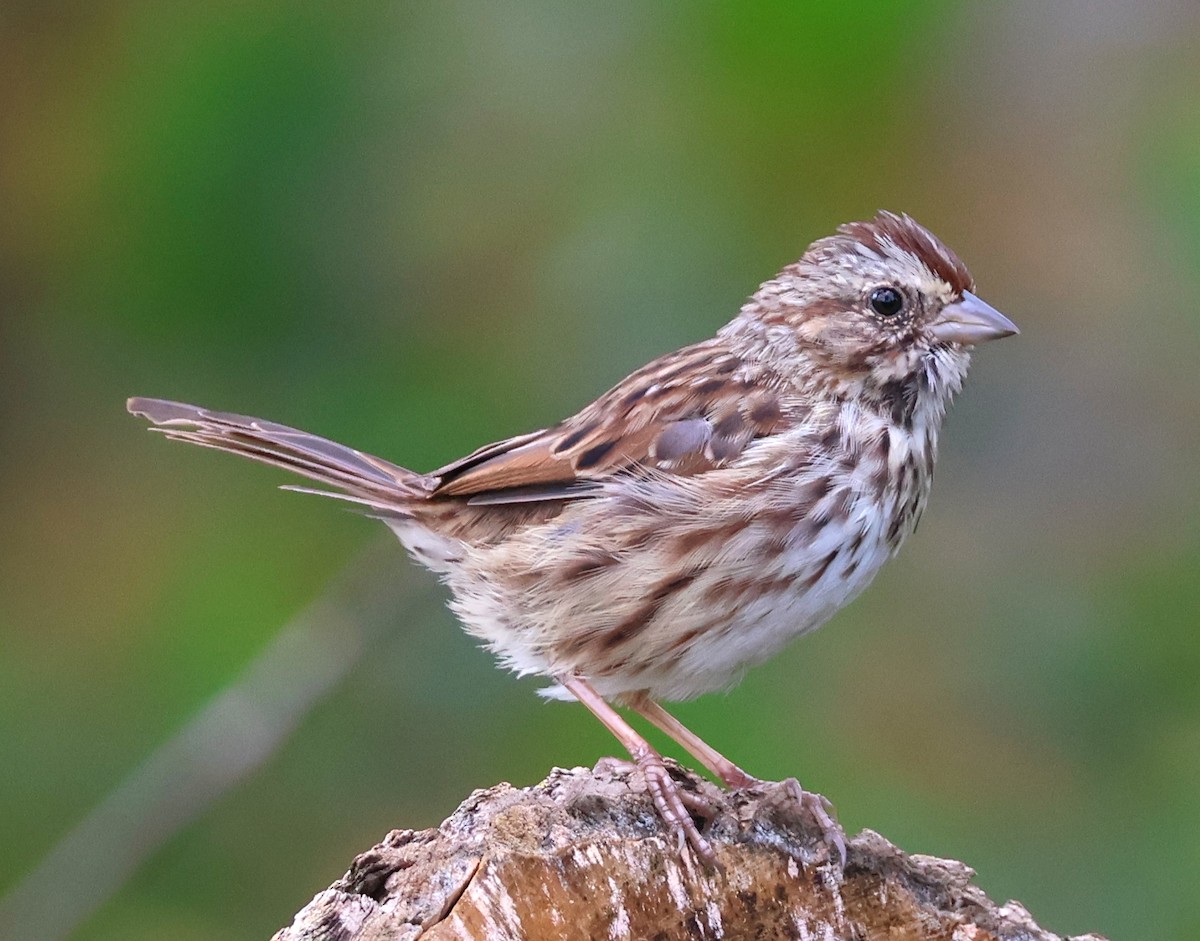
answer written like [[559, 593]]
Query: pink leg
[[668, 799], [713, 760]]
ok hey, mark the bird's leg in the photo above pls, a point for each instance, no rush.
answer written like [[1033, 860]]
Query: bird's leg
[[668, 798], [729, 773]]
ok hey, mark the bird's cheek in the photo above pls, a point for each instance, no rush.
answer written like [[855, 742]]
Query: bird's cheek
[[897, 362]]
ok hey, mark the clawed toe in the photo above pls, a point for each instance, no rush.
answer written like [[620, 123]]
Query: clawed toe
[[673, 804], [822, 813], [697, 804], [610, 764]]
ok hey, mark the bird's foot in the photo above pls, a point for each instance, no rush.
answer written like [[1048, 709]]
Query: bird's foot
[[697, 804], [822, 813], [676, 805]]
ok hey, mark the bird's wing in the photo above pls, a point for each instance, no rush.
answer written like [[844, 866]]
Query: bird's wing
[[683, 414]]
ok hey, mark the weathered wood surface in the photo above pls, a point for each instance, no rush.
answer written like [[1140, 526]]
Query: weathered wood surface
[[582, 855]]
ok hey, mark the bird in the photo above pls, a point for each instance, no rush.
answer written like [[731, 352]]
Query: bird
[[712, 506]]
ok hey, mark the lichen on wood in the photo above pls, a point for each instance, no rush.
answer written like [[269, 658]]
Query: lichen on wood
[[583, 855]]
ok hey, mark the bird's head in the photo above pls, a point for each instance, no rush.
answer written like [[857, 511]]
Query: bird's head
[[880, 302]]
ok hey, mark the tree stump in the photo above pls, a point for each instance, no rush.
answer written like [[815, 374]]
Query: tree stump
[[583, 855]]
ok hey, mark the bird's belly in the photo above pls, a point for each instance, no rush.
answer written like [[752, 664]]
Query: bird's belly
[[760, 623], [676, 626]]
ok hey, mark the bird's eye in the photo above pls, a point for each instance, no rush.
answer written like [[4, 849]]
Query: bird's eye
[[887, 302]]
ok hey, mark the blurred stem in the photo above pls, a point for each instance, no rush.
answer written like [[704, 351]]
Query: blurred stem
[[232, 736]]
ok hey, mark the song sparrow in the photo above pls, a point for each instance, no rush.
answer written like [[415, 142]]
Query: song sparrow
[[712, 506]]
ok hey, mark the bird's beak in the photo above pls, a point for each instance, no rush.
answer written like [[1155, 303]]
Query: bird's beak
[[971, 320]]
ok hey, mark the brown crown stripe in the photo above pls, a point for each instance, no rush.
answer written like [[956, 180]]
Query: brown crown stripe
[[907, 235]]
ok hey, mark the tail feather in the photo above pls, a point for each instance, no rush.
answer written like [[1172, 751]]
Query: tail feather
[[378, 509], [362, 478]]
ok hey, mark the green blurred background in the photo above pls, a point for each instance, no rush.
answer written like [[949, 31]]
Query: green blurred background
[[418, 227]]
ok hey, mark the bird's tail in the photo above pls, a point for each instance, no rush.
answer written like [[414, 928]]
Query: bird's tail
[[372, 482]]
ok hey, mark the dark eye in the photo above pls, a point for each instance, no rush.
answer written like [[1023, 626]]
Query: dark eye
[[887, 302]]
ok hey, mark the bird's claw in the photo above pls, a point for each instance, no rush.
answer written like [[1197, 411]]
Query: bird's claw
[[823, 814], [675, 805]]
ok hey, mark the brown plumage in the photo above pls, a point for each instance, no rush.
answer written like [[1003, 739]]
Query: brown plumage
[[710, 507]]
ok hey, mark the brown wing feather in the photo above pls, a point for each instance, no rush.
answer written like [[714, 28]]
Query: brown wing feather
[[522, 461], [684, 413]]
